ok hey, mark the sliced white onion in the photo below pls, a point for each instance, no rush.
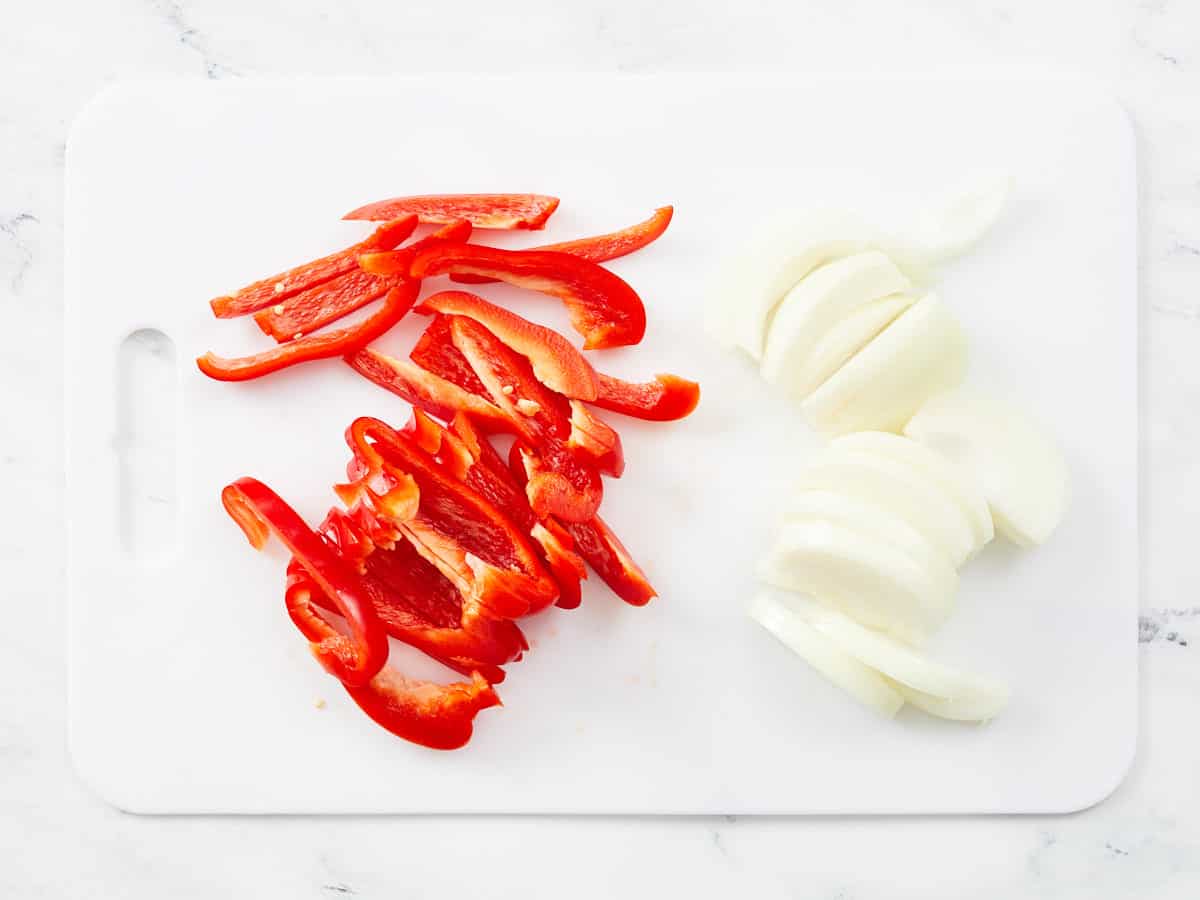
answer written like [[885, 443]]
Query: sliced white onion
[[872, 518], [781, 252], [978, 706], [950, 691], [898, 489], [945, 476], [871, 580], [862, 683], [921, 353], [956, 224], [1017, 467], [845, 339], [817, 303]]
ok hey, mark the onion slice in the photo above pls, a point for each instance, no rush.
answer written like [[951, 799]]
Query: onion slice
[[861, 682]]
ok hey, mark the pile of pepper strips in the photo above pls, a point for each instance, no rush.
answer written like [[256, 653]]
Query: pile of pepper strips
[[442, 543]]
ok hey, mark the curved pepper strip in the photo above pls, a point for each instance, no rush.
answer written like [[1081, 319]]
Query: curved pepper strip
[[418, 605], [602, 307], [438, 716], [278, 288], [602, 247], [595, 542], [539, 414], [503, 211], [665, 399], [353, 659], [340, 342], [555, 361], [474, 544]]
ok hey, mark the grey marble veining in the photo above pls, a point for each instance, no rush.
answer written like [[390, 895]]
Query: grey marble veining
[[58, 841]]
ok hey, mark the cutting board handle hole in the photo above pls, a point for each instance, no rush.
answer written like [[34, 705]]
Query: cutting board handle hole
[[146, 444]]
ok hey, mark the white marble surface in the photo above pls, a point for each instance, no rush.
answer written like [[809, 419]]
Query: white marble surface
[[56, 840]]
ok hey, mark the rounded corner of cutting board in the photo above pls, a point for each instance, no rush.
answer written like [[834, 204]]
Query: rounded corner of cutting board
[[102, 781]]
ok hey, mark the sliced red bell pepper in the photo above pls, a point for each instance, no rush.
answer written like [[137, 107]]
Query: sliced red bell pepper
[[562, 483], [435, 352], [278, 288], [330, 301], [471, 542], [432, 393], [353, 659], [417, 604], [340, 342], [607, 556], [602, 247], [439, 716], [602, 307], [322, 304], [555, 361], [595, 441], [565, 565], [475, 461], [595, 542], [504, 211], [665, 399]]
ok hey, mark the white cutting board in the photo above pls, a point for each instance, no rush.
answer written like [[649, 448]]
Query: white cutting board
[[190, 691]]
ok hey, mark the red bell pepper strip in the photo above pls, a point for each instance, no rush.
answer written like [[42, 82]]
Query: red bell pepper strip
[[417, 604], [278, 288], [562, 483], [432, 715], [322, 304], [330, 301], [565, 565], [503, 211], [470, 541], [602, 307], [665, 399], [432, 393], [555, 361], [595, 542], [355, 658], [340, 342], [476, 463], [438, 716], [435, 352], [602, 247]]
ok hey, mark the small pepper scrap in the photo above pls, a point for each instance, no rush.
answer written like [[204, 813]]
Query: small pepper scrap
[[440, 542]]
